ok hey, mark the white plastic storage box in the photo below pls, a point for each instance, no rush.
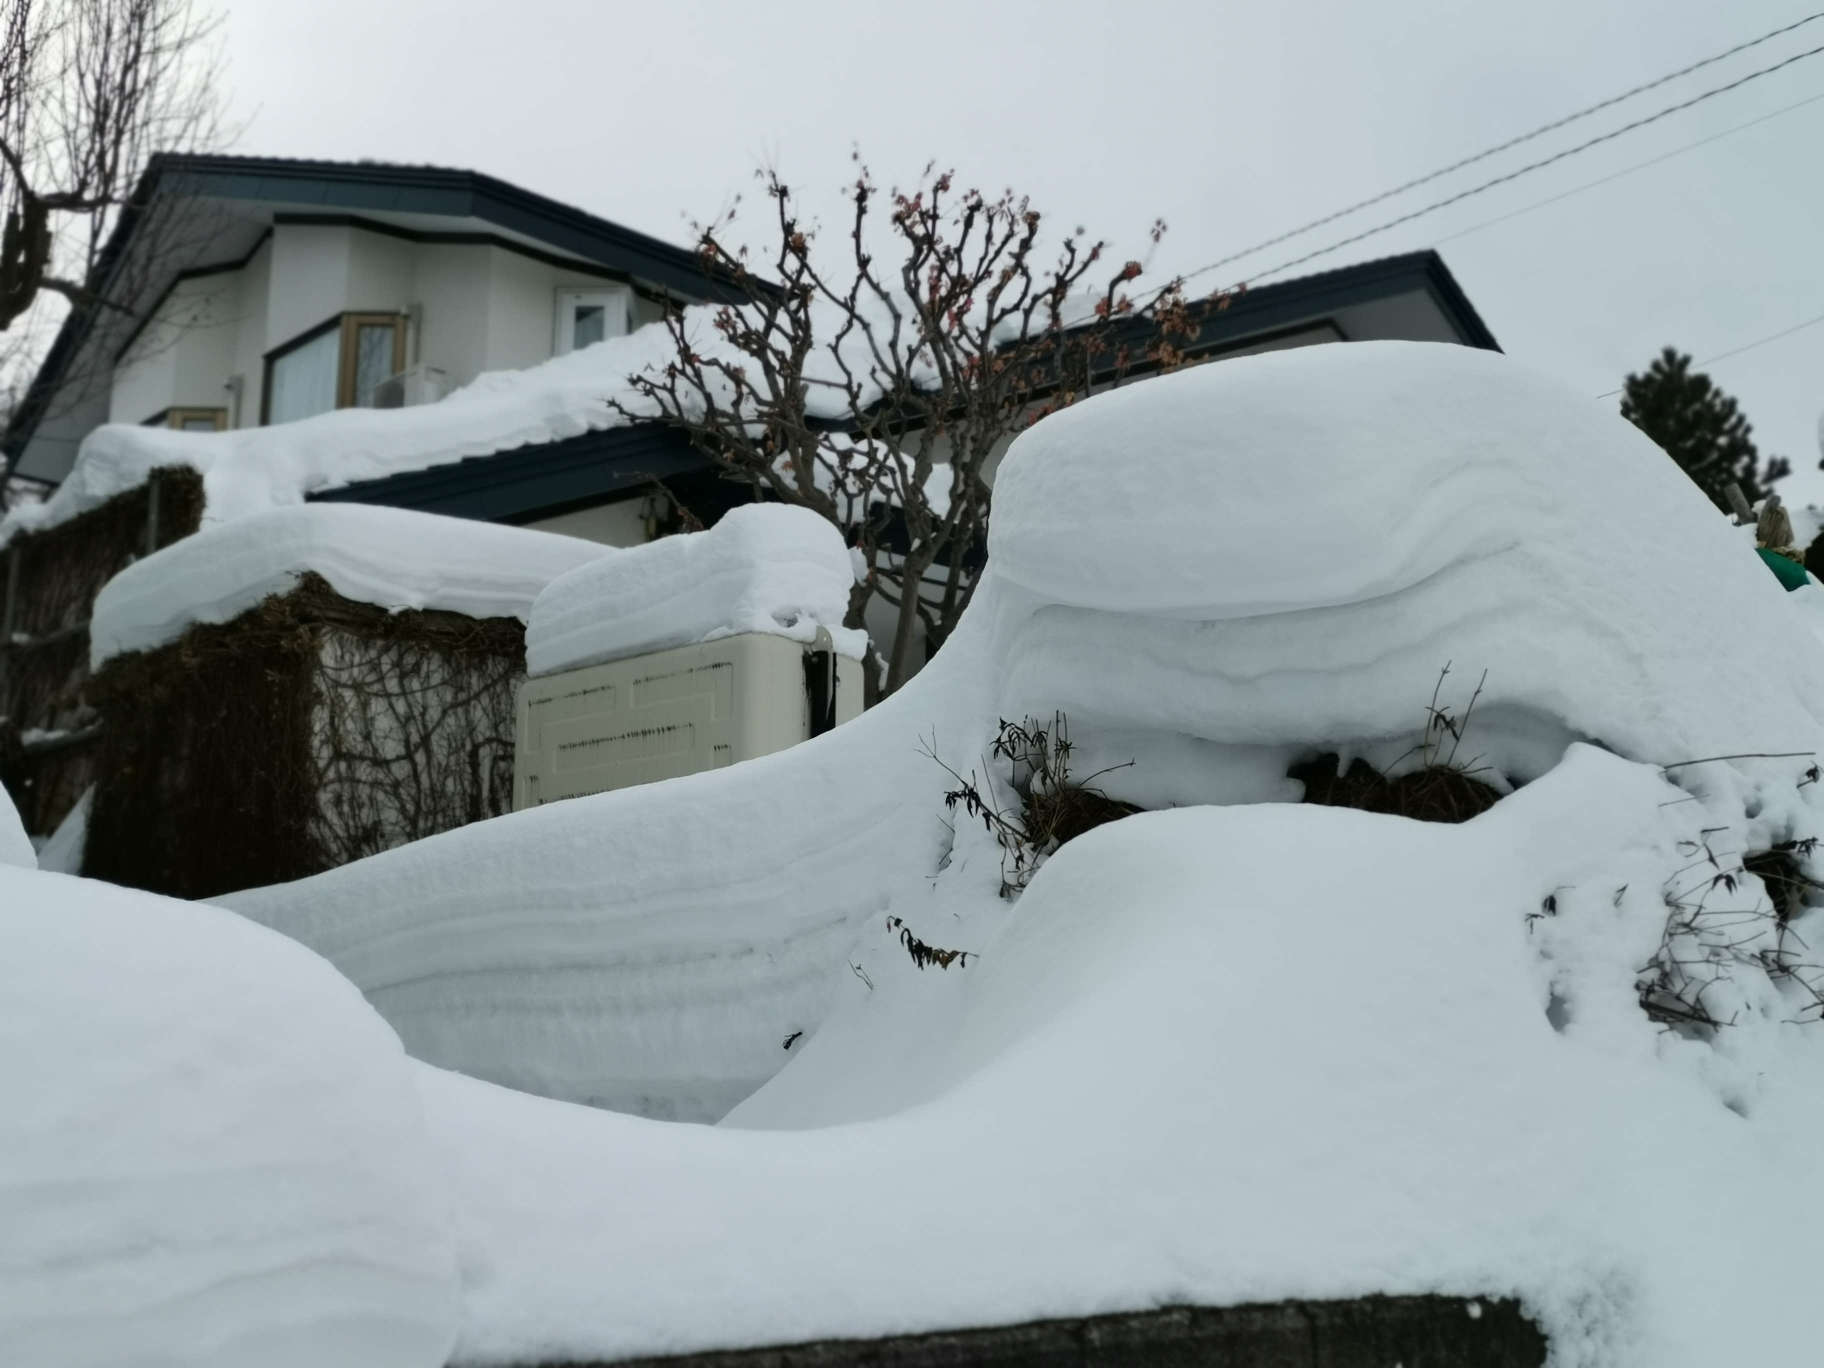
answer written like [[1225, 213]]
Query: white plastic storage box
[[676, 712]]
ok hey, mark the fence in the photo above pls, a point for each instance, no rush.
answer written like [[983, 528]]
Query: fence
[[48, 725]]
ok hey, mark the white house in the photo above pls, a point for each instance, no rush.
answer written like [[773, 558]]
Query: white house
[[261, 291]]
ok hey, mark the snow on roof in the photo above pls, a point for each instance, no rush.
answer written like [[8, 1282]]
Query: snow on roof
[[390, 557], [247, 470], [212, 1151], [769, 568], [1296, 1052]]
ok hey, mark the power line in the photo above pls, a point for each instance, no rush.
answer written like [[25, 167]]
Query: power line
[[1748, 347], [1539, 132], [1527, 169], [1638, 166]]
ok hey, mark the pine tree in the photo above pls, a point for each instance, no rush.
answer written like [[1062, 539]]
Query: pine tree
[[1700, 427]]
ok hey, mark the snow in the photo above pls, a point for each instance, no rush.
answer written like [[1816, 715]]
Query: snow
[[1159, 1085], [248, 470], [393, 558], [768, 568], [252, 469], [1239, 1051], [62, 852], [15, 845], [212, 1153]]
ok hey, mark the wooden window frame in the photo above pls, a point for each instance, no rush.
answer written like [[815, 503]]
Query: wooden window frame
[[352, 323], [177, 417], [346, 325]]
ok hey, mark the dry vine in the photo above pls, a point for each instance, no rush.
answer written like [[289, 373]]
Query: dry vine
[[1054, 806]]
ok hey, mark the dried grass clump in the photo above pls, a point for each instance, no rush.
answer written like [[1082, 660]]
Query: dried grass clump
[[1055, 807], [1439, 790]]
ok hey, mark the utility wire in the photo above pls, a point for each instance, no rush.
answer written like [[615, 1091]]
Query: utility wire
[[1758, 342], [1510, 143], [1524, 170], [1638, 166]]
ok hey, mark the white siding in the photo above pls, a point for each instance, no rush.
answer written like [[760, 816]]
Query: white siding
[[453, 286], [611, 524], [183, 358]]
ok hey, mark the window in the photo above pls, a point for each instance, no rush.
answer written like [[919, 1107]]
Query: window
[[198, 419], [585, 317], [334, 366], [190, 419], [373, 349]]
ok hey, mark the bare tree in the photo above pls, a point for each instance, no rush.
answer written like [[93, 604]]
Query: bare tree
[[89, 89], [879, 393]]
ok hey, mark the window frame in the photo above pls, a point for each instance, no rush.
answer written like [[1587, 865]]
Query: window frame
[[352, 323], [563, 313], [175, 417], [346, 325]]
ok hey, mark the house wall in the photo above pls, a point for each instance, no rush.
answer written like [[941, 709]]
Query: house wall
[[612, 524], [250, 337], [183, 358], [523, 307], [455, 290]]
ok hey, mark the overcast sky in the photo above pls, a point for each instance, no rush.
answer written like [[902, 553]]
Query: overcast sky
[[1232, 121]]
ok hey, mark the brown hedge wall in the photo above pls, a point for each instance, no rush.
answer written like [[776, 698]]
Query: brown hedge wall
[[308, 732]]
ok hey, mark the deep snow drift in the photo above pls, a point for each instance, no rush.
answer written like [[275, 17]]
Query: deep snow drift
[[769, 568], [1213, 1055], [390, 557], [211, 1154]]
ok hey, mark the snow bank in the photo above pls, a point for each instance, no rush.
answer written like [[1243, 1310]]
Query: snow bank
[[212, 1154], [1339, 522], [1225, 1054], [647, 950], [1215, 1056], [390, 557], [765, 568], [15, 845]]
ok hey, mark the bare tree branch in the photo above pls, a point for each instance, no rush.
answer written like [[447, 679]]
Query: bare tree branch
[[879, 393]]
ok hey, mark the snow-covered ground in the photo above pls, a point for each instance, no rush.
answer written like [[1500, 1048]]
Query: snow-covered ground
[[1240, 1051], [211, 1153]]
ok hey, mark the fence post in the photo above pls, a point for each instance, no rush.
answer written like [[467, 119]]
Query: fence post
[[152, 483], [7, 620]]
